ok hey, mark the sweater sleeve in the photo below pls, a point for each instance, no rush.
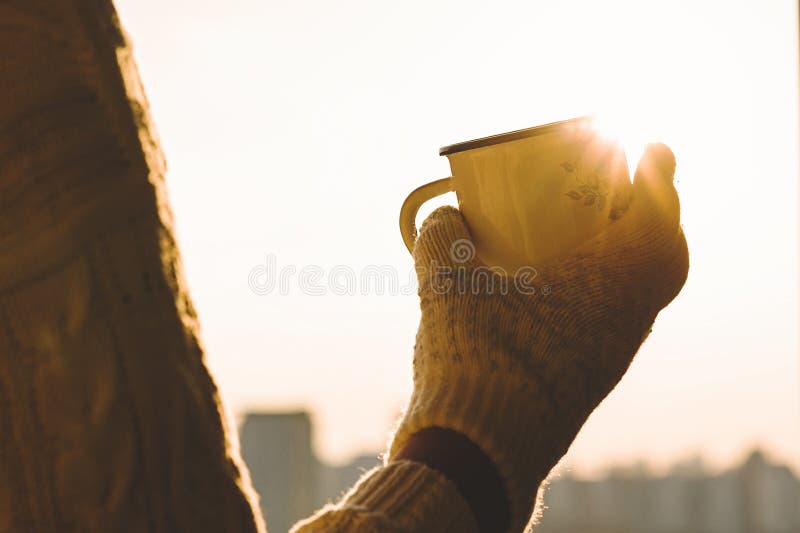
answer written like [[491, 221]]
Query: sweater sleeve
[[403, 496], [109, 419]]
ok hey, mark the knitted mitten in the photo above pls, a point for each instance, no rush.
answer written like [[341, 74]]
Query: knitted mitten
[[518, 364]]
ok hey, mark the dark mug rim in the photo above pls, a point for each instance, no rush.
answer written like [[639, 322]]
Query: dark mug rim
[[510, 136]]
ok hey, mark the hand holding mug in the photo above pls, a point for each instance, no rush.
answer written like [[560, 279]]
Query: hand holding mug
[[518, 373]]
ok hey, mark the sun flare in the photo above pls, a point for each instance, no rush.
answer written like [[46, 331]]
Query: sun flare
[[628, 130]]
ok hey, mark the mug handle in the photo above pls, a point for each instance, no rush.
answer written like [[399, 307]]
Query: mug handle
[[420, 195]]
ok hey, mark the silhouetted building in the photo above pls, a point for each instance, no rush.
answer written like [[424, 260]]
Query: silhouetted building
[[292, 483], [758, 497], [277, 450]]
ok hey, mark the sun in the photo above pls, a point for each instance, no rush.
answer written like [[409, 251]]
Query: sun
[[627, 128]]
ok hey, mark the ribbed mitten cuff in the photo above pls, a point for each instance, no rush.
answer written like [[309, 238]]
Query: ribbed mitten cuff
[[403, 496], [495, 410]]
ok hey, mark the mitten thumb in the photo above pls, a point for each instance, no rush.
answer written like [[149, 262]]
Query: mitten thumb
[[444, 240]]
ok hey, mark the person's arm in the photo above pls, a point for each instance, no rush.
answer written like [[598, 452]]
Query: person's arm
[[109, 419], [512, 375]]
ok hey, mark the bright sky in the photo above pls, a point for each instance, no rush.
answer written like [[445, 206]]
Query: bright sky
[[295, 129]]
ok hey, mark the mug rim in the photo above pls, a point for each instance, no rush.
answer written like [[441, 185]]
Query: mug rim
[[509, 136]]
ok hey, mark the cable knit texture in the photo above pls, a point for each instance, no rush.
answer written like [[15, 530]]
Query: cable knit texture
[[517, 365], [109, 420], [402, 497]]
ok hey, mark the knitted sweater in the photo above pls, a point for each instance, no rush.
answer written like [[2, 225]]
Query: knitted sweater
[[109, 419]]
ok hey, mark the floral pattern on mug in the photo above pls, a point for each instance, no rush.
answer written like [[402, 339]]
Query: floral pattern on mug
[[592, 189]]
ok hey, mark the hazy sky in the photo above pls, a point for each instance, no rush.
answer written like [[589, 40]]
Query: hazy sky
[[294, 130]]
